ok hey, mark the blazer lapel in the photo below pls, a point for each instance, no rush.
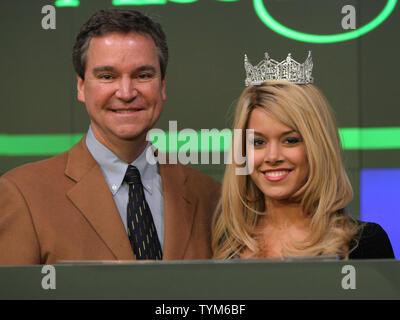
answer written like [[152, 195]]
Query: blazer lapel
[[94, 200], [179, 206]]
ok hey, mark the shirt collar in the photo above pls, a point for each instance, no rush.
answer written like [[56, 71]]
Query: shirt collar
[[114, 169]]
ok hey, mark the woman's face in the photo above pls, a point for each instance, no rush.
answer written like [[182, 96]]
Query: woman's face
[[280, 160]]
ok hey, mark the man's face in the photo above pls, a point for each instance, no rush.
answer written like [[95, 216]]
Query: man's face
[[123, 90]]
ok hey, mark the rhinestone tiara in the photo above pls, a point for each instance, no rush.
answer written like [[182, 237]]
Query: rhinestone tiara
[[270, 69]]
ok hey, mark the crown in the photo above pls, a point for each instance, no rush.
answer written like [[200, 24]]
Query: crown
[[270, 69]]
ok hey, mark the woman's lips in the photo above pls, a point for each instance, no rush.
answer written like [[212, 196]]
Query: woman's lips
[[276, 175]]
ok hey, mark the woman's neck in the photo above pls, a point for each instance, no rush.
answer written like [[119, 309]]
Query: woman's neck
[[284, 214]]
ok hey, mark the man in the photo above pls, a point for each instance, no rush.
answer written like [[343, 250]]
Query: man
[[81, 204]]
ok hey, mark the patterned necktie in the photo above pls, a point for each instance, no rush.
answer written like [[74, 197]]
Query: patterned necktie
[[141, 229]]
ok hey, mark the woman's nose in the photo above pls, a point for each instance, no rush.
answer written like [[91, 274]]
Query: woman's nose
[[273, 153]]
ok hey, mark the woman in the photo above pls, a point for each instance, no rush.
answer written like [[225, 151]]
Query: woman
[[293, 202]]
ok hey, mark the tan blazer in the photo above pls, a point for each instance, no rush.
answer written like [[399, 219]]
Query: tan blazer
[[62, 209]]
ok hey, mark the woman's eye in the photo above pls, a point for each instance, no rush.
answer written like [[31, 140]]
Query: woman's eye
[[292, 140], [257, 142]]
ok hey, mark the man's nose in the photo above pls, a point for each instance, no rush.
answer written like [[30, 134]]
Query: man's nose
[[126, 90]]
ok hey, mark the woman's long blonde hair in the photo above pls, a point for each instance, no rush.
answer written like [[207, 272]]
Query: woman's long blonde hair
[[323, 197]]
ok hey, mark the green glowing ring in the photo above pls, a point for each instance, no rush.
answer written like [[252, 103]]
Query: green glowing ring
[[275, 26]]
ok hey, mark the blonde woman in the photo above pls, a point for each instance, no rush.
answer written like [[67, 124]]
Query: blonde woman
[[293, 202]]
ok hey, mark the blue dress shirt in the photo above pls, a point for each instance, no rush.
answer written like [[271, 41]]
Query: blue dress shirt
[[114, 169]]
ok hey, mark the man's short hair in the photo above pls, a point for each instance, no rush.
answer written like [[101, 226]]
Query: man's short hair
[[117, 20]]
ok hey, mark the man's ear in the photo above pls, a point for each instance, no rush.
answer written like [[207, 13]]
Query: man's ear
[[164, 88], [81, 89]]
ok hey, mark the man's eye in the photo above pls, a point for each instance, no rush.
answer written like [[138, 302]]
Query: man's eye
[[106, 77], [146, 76]]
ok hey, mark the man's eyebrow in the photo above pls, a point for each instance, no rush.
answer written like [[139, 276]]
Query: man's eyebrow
[[112, 69], [146, 68], [102, 69]]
